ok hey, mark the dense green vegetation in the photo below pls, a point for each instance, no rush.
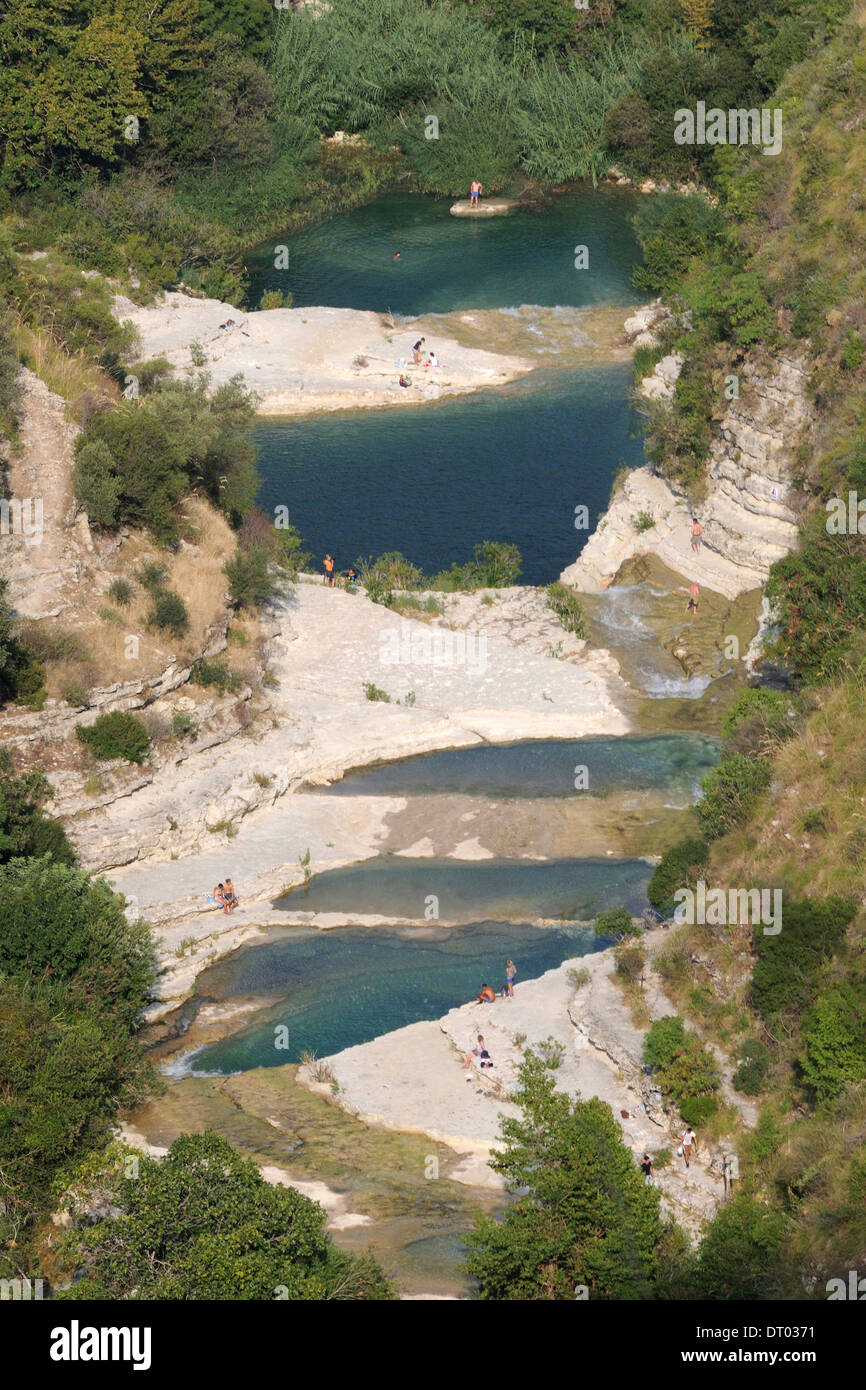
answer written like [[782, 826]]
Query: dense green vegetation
[[583, 1216], [74, 975], [138, 458], [202, 1223], [117, 734]]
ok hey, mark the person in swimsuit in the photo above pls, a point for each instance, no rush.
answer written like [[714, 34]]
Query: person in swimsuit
[[487, 995], [692, 605], [697, 532], [329, 569], [476, 1052], [219, 896], [510, 977], [417, 349], [231, 897], [475, 191]]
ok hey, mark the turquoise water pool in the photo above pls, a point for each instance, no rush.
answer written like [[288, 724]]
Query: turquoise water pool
[[545, 767], [335, 989]]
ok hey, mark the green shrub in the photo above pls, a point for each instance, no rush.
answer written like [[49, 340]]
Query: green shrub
[[696, 1110], [138, 458], [182, 724], [672, 229], [249, 575], [214, 671], [685, 1069], [274, 299], [616, 922], [373, 692], [494, 565], [120, 591], [169, 612], [151, 576], [784, 977], [630, 962], [751, 1074], [117, 734], [388, 575], [74, 693], [566, 606], [853, 351], [678, 868], [757, 722], [834, 1041], [25, 831], [731, 792]]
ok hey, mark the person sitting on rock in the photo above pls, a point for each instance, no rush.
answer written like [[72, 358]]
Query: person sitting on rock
[[219, 896], [487, 995], [230, 897]]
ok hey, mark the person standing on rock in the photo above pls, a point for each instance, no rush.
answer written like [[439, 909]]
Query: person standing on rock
[[510, 977], [646, 1167], [693, 1141], [418, 349], [475, 191], [329, 570], [688, 1135], [697, 532]]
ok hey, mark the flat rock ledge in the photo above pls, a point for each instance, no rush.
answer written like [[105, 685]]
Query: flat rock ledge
[[414, 1080]]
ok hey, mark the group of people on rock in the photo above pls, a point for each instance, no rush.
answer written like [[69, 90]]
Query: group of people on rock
[[488, 993], [224, 896], [329, 575]]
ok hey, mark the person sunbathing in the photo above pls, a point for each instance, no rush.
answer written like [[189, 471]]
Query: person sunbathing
[[487, 995], [231, 897]]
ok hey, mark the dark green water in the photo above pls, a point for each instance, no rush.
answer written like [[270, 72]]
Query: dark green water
[[543, 768], [335, 989], [507, 465], [431, 481], [457, 263]]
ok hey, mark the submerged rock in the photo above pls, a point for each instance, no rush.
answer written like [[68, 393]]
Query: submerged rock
[[490, 207]]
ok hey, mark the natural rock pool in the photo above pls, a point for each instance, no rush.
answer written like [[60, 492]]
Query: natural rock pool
[[507, 465]]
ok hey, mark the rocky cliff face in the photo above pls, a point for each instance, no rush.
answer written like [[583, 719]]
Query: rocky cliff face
[[748, 513]]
